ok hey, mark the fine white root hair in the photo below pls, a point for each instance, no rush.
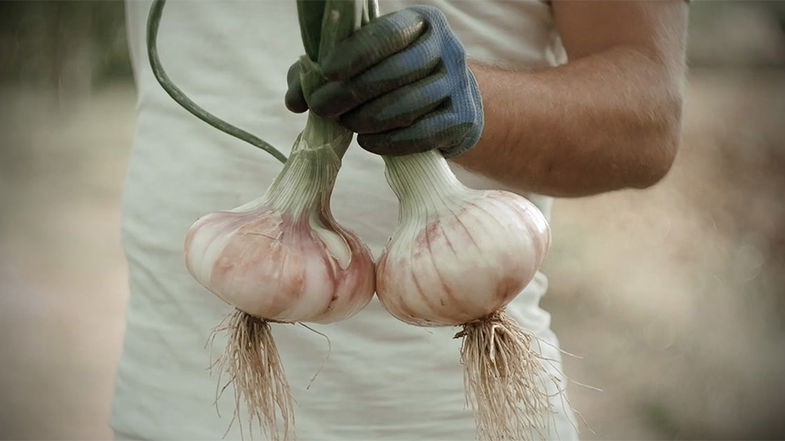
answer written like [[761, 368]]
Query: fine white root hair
[[505, 380], [254, 368]]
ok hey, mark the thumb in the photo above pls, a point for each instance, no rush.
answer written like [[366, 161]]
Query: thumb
[[294, 99]]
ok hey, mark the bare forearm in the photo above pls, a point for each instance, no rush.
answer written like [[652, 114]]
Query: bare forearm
[[600, 123], [607, 120]]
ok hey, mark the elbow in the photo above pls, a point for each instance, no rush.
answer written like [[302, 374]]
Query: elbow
[[656, 162], [656, 154]]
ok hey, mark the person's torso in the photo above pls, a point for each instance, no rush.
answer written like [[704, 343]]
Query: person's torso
[[383, 379]]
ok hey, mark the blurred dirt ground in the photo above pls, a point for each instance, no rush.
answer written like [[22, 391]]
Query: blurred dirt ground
[[62, 273], [673, 296]]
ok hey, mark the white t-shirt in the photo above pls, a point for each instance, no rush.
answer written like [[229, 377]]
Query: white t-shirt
[[384, 380]]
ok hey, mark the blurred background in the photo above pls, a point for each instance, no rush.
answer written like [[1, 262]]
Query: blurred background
[[674, 297]]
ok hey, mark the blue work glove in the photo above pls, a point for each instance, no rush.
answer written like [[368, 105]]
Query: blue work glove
[[402, 83]]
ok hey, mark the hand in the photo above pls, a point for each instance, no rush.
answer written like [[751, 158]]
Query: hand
[[402, 83]]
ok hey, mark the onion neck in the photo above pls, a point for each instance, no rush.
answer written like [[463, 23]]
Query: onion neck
[[306, 181], [423, 183]]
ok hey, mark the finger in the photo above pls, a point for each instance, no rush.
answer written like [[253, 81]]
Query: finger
[[441, 130], [471, 109], [399, 108], [294, 99], [416, 62], [293, 74], [373, 43]]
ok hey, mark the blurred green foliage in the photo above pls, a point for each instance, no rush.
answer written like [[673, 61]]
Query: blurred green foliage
[[63, 43], [740, 33]]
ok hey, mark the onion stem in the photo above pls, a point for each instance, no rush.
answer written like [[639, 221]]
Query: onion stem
[[422, 181], [153, 22]]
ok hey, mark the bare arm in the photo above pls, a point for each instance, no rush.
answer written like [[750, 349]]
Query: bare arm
[[609, 119]]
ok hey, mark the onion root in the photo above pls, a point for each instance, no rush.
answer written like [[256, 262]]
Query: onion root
[[504, 379], [254, 368]]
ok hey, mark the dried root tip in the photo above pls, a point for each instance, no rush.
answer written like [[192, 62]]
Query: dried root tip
[[254, 368], [504, 378]]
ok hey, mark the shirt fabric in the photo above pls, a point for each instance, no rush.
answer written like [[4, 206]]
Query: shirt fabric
[[384, 380]]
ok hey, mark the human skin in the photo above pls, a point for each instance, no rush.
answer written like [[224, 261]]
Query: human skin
[[608, 119]]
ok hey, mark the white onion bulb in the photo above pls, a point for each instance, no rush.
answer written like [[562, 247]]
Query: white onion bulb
[[458, 254], [281, 258], [457, 258]]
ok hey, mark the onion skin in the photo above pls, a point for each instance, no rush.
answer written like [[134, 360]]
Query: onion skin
[[274, 266], [461, 259], [283, 257], [457, 258]]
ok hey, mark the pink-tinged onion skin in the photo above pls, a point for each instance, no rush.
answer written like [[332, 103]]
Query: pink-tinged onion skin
[[275, 267], [461, 255], [283, 257]]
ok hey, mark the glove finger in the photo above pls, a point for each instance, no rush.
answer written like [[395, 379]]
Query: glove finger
[[294, 99], [439, 130], [373, 43], [399, 108], [416, 62], [471, 109]]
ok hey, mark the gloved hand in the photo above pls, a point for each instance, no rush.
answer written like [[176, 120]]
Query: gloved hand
[[402, 83]]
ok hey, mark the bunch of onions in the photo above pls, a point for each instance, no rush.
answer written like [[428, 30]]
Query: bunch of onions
[[283, 258], [457, 258]]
